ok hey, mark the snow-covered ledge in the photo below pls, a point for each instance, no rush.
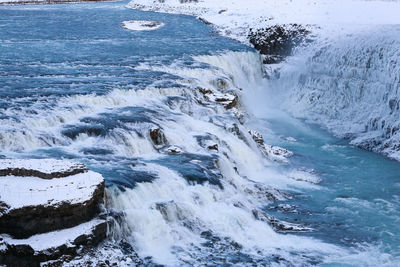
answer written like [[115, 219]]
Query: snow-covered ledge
[[42, 168], [47, 197]]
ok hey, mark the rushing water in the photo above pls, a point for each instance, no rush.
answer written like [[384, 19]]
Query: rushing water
[[75, 84]]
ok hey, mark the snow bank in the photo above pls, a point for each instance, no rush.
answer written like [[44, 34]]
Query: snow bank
[[234, 18]]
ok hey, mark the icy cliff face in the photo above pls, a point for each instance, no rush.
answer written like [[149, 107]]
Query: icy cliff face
[[351, 86]]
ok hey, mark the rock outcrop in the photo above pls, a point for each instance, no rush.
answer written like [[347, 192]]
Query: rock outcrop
[[48, 208], [158, 137], [277, 42]]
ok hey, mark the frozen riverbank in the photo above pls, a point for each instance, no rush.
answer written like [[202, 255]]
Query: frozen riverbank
[[235, 18]]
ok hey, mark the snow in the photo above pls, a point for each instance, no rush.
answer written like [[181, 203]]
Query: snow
[[18, 192], [46, 166], [234, 18], [142, 25], [41, 242]]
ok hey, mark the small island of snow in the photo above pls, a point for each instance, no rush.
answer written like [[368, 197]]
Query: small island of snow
[[142, 25]]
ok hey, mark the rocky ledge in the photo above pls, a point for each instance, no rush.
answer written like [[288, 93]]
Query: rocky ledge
[[48, 208]]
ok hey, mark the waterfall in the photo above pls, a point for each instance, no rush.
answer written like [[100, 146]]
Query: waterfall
[[350, 85]]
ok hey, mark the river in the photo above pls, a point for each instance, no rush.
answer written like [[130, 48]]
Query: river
[[75, 84]]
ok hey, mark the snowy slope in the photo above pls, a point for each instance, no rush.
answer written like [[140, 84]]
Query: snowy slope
[[234, 18]]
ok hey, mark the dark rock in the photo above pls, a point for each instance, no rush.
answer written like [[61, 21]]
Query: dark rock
[[229, 102], [204, 91], [158, 137], [232, 103], [277, 42], [152, 24], [204, 21], [213, 147]]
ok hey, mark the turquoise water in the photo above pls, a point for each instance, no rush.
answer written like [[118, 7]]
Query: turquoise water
[[75, 84], [70, 49], [357, 203], [50, 52]]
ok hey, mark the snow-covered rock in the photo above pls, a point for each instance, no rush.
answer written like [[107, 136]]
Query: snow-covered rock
[[142, 25], [51, 246], [278, 41], [41, 195], [48, 208], [172, 150], [278, 225], [42, 168], [228, 100], [274, 153]]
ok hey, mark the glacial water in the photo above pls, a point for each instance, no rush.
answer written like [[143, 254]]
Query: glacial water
[[75, 84], [356, 203]]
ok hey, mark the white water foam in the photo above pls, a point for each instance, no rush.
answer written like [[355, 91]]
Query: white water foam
[[170, 218]]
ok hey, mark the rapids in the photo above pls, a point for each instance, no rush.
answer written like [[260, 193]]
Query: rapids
[[202, 191]]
